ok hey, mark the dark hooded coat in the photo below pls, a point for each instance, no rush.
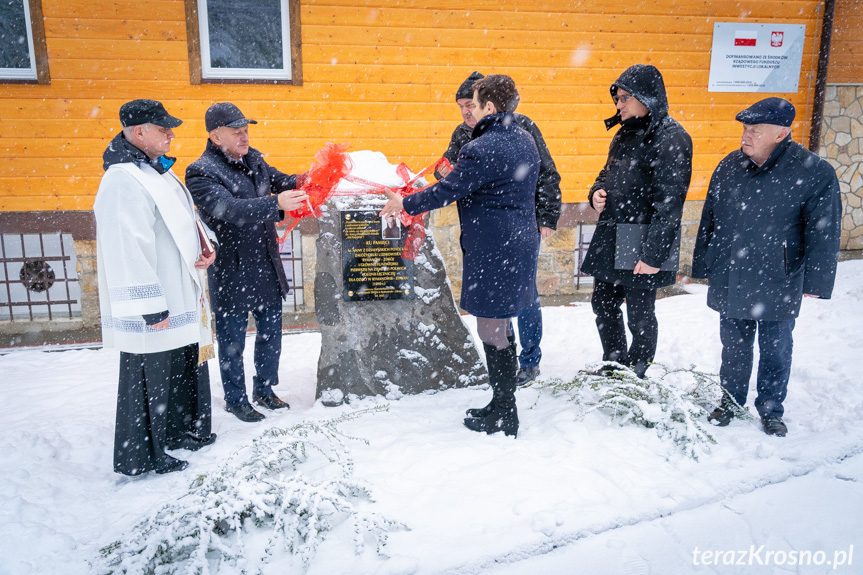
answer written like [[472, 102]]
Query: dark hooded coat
[[548, 197], [646, 178], [238, 201], [493, 184], [769, 234]]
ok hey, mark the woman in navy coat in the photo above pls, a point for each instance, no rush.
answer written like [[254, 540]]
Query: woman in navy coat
[[493, 184]]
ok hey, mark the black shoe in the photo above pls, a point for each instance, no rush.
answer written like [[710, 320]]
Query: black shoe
[[271, 402], [171, 464], [640, 370], [245, 413], [721, 416], [606, 370], [480, 411], [526, 375], [497, 420], [191, 442], [774, 426]]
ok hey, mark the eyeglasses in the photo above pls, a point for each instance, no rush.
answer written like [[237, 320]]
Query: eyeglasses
[[623, 99]]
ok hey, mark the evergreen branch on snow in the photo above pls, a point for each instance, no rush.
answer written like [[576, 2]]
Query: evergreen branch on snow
[[675, 403], [260, 488]]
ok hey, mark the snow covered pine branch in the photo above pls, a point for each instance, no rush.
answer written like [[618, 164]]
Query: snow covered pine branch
[[675, 404], [298, 483]]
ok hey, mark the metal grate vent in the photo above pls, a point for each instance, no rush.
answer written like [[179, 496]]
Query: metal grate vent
[[292, 261], [38, 277]]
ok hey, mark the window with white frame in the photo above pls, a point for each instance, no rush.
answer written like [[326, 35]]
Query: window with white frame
[[249, 41], [23, 57]]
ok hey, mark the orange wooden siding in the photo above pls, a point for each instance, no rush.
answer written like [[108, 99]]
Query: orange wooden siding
[[381, 77], [846, 47]]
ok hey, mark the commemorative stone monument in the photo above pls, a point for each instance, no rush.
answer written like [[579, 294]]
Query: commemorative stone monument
[[389, 325]]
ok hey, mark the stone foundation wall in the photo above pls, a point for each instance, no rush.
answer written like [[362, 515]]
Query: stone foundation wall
[[557, 256], [688, 232], [310, 261], [88, 277], [842, 146], [556, 268]]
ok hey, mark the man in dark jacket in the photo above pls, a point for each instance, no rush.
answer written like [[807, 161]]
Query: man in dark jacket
[[769, 235], [240, 198], [639, 195], [547, 202]]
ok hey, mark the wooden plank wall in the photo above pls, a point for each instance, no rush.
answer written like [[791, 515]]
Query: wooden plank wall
[[846, 47], [382, 76]]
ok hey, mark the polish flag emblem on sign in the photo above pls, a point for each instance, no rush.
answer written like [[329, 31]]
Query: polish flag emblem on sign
[[745, 37], [776, 39]]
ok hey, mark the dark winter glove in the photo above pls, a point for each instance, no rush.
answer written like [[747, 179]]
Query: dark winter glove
[[154, 318]]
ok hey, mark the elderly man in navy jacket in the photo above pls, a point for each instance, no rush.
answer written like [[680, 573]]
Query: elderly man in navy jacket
[[769, 235], [241, 198]]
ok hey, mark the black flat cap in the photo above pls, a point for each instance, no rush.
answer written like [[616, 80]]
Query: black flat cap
[[466, 88], [776, 111], [139, 112], [225, 114]]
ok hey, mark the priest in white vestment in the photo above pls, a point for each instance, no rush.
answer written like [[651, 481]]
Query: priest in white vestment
[[153, 295]]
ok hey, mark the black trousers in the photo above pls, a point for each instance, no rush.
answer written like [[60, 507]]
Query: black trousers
[[607, 300], [161, 396]]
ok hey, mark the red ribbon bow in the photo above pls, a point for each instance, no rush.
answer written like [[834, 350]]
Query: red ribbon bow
[[333, 164]]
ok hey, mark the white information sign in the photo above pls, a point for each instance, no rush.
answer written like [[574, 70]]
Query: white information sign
[[756, 57]]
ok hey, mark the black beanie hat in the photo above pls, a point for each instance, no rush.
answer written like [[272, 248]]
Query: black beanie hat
[[466, 88]]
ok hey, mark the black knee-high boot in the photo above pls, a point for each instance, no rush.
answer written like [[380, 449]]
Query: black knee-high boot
[[484, 411], [502, 367]]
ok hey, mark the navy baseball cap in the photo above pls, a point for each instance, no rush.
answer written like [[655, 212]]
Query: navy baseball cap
[[466, 88], [139, 112], [225, 114], [776, 111]]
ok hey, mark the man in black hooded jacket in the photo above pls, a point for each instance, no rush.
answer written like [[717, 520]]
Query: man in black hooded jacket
[[547, 202], [644, 183]]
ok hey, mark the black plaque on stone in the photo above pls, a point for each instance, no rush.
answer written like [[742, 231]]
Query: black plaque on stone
[[372, 264]]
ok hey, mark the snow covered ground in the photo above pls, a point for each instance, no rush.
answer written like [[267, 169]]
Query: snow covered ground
[[568, 496]]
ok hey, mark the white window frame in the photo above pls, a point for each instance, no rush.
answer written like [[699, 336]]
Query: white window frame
[[210, 73], [31, 73]]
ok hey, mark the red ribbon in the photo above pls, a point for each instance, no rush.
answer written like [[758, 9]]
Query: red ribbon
[[333, 164]]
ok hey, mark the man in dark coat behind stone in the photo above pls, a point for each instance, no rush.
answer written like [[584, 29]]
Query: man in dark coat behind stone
[[644, 182], [493, 184], [547, 200], [240, 198], [769, 235]]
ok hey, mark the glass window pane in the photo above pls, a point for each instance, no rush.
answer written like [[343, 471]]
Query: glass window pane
[[245, 34], [14, 40]]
